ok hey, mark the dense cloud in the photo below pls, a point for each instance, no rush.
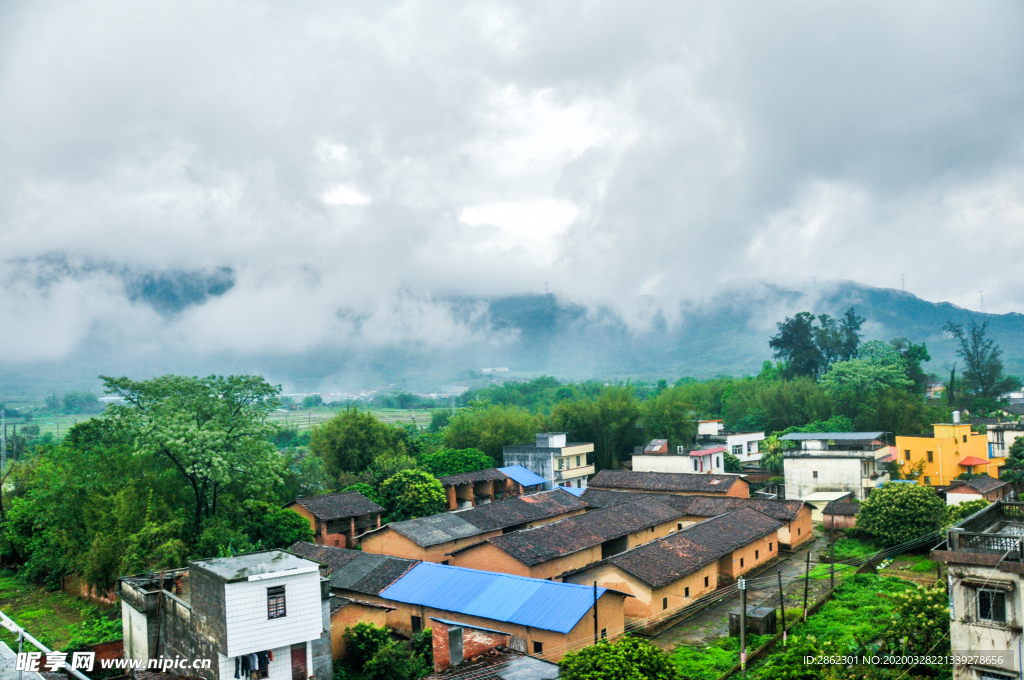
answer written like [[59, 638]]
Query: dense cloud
[[254, 178]]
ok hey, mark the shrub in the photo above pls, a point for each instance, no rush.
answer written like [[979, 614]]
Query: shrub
[[626, 657], [897, 513], [412, 493], [454, 461], [362, 642]]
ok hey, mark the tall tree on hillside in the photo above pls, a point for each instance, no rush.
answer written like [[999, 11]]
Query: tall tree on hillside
[[913, 355], [811, 350], [214, 431], [983, 376]]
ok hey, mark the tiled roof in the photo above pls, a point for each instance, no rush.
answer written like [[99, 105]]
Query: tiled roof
[[338, 505], [556, 539], [508, 512], [356, 571], [841, 509], [471, 477], [667, 559], [712, 506], [662, 481], [340, 602], [985, 484]]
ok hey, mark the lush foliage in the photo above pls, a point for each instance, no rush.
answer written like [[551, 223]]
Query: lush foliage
[[810, 350], [627, 658], [983, 377], [609, 420], [453, 461], [411, 494], [956, 513], [490, 428], [897, 513], [919, 623], [352, 440], [371, 654], [366, 490], [362, 642], [711, 662]]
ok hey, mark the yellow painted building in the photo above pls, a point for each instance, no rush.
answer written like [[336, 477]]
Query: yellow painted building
[[951, 451]]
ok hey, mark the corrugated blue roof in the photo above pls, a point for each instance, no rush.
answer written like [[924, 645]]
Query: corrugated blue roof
[[521, 475], [573, 490], [548, 605]]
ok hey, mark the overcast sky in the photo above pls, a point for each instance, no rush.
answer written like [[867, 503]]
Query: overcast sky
[[355, 163]]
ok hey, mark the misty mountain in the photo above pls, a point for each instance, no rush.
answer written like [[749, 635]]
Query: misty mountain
[[545, 334]]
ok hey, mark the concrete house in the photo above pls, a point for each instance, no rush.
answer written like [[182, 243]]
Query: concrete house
[[834, 461], [470, 611], [1001, 437], [468, 489], [986, 576], [266, 614], [338, 518], [743, 445], [551, 457], [975, 489], [671, 483], [434, 538], [950, 451], [673, 571], [552, 549]]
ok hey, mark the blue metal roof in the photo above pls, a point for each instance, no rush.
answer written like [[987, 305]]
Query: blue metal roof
[[521, 475], [549, 605], [573, 490]]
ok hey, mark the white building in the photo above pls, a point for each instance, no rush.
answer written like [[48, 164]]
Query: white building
[[985, 566], [834, 461], [1001, 437], [743, 445], [558, 462], [266, 613]]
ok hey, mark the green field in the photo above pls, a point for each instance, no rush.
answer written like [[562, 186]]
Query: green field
[[52, 617]]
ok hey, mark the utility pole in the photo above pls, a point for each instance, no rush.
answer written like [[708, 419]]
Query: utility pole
[[742, 585], [595, 612], [832, 559], [807, 582], [782, 606]]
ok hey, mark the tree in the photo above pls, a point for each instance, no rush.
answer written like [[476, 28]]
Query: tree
[[919, 624], [384, 467], [810, 350], [879, 367], [913, 355], [897, 513], [773, 405], [627, 658], [270, 526], [732, 463], [215, 431], [352, 440], [1013, 470], [453, 461], [669, 415], [362, 642], [364, 489], [82, 402], [772, 454], [610, 420], [411, 494], [490, 429], [312, 401], [983, 377], [961, 511]]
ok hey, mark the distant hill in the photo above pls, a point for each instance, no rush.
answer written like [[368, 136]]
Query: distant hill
[[544, 334]]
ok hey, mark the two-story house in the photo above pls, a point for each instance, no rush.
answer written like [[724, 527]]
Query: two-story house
[[558, 462], [834, 461], [261, 616], [950, 451]]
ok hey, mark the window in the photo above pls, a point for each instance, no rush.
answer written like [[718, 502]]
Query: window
[[930, 460], [992, 675], [798, 530], [906, 454], [757, 554], [604, 633], [928, 480], [695, 465], [538, 647], [561, 463], [417, 624], [815, 473], [445, 561], [737, 450], [719, 461], [275, 602], [686, 591], [705, 581], [679, 526], [652, 529], [577, 461], [965, 439], [992, 605], [741, 563], [769, 547], [664, 603]]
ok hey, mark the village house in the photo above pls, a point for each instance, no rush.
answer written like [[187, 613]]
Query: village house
[[1001, 437], [338, 518], [551, 457], [797, 528], [469, 489], [840, 515], [986, 581], [671, 483], [979, 488], [265, 614], [950, 451], [673, 571], [656, 457], [743, 445], [471, 610], [834, 461], [435, 537], [549, 550]]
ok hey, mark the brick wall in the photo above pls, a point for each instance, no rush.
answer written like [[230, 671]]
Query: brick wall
[[474, 643]]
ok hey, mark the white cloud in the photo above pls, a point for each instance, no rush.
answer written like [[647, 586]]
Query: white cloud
[[343, 195]]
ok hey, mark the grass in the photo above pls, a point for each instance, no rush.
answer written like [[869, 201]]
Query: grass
[[708, 663], [304, 418], [822, 571], [51, 617], [852, 548]]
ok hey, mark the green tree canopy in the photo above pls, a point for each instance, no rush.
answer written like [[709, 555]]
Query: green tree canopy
[[920, 624], [609, 421], [773, 405], [627, 658], [454, 461], [899, 512], [810, 350], [670, 415], [490, 429], [411, 494], [215, 431], [366, 490], [353, 439], [983, 376]]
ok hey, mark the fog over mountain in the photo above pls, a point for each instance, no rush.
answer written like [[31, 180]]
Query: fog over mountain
[[343, 195]]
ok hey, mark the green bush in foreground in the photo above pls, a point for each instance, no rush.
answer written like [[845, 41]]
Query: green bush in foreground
[[627, 658]]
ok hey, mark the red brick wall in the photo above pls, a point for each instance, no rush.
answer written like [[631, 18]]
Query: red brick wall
[[474, 643]]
